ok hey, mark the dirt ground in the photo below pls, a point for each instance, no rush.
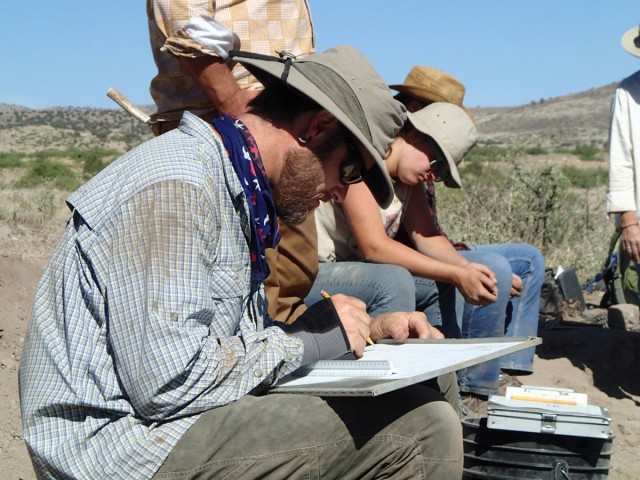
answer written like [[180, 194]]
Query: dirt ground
[[600, 362]]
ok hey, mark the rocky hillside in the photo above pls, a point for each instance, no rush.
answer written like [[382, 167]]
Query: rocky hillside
[[101, 123], [577, 119]]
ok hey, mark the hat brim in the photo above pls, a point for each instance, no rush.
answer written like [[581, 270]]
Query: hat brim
[[628, 43], [453, 180], [421, 93], [267, 71]]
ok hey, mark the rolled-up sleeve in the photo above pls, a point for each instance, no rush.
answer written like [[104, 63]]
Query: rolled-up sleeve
[[170, 17], [620, 196], [623, 193]]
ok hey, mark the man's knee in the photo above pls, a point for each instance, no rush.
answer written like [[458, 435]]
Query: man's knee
[[442, 442], [433, 424]]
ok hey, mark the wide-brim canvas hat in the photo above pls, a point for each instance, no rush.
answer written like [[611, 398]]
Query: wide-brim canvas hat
[[431, 85], [452, 129], [631, 41], [342, 81]]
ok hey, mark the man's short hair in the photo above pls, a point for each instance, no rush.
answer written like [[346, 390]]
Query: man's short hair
[[280, 105]]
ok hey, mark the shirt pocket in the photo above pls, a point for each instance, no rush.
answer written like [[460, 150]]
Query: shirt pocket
[[228, 293]]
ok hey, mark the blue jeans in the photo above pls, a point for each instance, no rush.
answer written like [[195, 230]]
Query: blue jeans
[[446, 308], [521, 319], [438, 301], [384, 288]]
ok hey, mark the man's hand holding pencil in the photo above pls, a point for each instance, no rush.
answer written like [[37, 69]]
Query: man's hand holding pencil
[[361, 329], [355, 320]]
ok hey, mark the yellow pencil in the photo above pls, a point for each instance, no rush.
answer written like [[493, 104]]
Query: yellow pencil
[[544, 400], [326, 295]]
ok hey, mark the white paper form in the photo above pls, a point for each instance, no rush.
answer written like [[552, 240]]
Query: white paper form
[[414, 361]]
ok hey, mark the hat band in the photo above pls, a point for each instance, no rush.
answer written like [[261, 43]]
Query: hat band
[[285, 57]]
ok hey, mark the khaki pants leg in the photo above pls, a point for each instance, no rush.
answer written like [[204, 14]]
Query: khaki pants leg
[[447, 385], [407, 434]]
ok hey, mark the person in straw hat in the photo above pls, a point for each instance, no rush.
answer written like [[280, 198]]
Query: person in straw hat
[[623, 193], [482, 274], [149, 345]]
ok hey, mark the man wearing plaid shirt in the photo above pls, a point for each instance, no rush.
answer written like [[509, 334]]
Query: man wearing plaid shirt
[[149, 348], [195, 74]]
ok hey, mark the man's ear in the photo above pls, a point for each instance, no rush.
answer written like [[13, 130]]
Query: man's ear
[[321, 125]]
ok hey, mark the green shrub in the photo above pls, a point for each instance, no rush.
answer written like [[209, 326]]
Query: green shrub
[[92, 159], [44, 155], [486, 154], [587, 153], [469, 171], [95, 160], [536, 205], [585, 178], [92, 165], [59, 175], [536, 151], [11, 159]]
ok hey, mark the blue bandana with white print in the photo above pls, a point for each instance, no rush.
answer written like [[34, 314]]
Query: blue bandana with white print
[[245, 157]]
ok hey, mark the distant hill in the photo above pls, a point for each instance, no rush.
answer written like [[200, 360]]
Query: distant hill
[[99, 122], [580, 118], [6, 108]]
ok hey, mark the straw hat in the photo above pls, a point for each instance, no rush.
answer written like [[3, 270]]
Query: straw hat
[[431, 85]]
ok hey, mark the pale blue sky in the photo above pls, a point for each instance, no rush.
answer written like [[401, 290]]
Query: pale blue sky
[[507, 53]]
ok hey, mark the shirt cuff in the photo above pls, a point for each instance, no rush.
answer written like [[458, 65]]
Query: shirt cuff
[[202, 34], [321, 332]]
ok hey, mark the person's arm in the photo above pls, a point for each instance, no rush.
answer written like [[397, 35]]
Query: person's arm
[[363, 216], [630, 235], [621, 189], [426, 235], [181, 325], [215, 78], [349, 313], [202, 45]]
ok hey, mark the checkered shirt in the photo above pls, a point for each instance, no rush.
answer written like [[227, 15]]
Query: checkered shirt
[[263, 26], [144, 317]]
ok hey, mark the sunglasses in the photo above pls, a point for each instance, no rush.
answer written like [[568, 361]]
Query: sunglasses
[[439, 166], [352, 169], [440, 170]]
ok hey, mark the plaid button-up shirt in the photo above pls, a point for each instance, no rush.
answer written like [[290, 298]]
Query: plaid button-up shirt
[[144, 317]]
